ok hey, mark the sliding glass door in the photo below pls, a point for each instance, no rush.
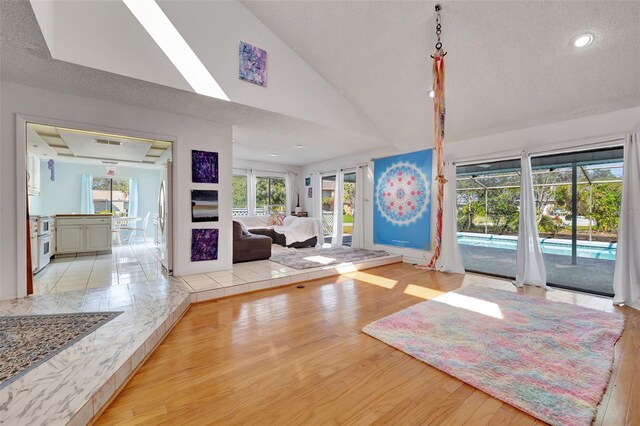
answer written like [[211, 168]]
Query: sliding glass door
[[110, 195], [348, 207], [578, 196], [328, 205], [345, 206], [578, 199], [488, 199]]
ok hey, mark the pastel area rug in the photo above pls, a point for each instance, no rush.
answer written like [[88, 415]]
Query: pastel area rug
[[27, 341], [313, 258], [551, 360]]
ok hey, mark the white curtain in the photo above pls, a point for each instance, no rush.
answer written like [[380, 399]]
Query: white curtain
[[316, 188], [288, 189], [450, 259], [529, 262], [626, 275], [86, 194], [336, 234], [357, 237], [133, 197], [251, 192]]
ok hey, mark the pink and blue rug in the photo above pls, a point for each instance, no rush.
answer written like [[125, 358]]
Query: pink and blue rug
[[549, 359]]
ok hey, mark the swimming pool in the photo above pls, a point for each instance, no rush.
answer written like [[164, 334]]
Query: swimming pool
[[588, 249]]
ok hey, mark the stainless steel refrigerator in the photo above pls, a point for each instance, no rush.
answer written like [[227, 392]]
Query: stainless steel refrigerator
[[165, 217]]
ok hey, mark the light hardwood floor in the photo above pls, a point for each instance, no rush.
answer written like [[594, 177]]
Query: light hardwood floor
[[297, 356]]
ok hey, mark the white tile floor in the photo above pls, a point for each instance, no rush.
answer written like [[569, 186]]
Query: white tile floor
[[128, 264], [138, 264], [261, 274]]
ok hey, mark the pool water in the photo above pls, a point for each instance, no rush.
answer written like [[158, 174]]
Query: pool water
[[588, 249]]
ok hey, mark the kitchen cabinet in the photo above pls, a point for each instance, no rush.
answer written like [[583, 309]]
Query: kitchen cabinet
[[98, 237], [33, 174], [83, 233]]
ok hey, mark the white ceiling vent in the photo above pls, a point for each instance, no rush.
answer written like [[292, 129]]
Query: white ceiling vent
[[108, 142]]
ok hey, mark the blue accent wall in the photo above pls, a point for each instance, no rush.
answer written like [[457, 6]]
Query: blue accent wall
[[63, 195]]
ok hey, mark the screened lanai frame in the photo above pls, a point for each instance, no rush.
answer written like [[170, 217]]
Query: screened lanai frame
[[598, 171], [587, 175]]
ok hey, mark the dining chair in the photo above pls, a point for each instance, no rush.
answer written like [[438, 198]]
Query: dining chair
[[141, 230], [116, 226]]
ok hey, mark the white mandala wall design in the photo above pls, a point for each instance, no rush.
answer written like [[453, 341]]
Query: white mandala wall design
[[402, 194]]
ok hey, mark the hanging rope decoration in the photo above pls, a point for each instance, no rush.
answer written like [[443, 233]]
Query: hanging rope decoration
[[439, 119]]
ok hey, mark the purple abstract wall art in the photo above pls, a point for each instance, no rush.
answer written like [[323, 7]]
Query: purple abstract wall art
[[252, 64], [204, 167], [204, 244]]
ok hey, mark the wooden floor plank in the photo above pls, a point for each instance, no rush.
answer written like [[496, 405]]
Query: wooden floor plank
[[298, 356]]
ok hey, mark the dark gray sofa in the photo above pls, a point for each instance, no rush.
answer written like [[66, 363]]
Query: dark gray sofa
[[248, 246]]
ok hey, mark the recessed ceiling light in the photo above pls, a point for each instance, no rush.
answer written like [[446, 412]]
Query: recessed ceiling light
[[432, 94], [273, 155], [167, 37], [299, 146], [583, 40]]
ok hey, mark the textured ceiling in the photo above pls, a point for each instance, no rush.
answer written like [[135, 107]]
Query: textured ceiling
[[510, 64], [25, 59]]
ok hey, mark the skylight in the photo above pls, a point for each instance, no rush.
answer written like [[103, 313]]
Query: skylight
[[167, 37]]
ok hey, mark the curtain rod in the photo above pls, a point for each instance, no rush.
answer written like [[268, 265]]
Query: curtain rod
[[603, 144], [262, 171], [357, 166]]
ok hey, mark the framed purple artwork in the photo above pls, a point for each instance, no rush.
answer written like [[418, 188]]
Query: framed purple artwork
[[204, 244], [204, 167], [252, 64]]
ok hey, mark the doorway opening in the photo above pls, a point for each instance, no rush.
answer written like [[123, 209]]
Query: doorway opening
[[345, 207], [99, 207]]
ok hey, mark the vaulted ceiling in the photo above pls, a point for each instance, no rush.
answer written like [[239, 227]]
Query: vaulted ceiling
[[345, 77], [510, 64]]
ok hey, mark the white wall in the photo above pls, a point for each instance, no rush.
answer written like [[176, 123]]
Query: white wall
[[75, 32], [565, 134], [264, 166], [188, 133]]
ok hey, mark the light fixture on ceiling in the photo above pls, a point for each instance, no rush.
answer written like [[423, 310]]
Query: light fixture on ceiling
[[299, 146], [432, 94], [583, 40], [167, 37], [273, 155]]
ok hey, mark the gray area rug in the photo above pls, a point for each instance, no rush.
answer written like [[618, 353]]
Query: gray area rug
[[313, 258], [27, 341]]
